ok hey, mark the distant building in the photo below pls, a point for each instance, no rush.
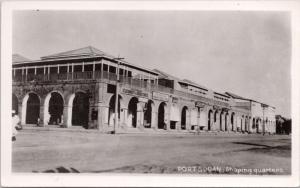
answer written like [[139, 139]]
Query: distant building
[[77, 88]]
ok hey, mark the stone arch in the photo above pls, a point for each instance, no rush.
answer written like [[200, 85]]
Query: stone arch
[[221, 120], [161, 120], [184, 115], [111, 108], [15, 103], [253, 124], [232, 122], [31, 108], [260, 125], [80, 109], [132, 112], [69, 111], [257, 125], [53, 108], [266, 127], [216, 119], [226, 121], [210, 120], [149, 114], [242, 123], [215, 115], [246, 123]]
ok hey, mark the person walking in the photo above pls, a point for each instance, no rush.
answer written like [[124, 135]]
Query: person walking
[[15, 125]]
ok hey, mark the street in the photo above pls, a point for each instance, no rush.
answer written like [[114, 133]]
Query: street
[[91, 151]]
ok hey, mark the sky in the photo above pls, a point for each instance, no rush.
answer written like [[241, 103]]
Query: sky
[[247, 53]]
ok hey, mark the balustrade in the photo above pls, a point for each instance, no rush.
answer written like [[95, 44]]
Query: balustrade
[[123, 80]]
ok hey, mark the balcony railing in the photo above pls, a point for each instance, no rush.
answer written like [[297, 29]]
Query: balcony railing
[[123, 80]]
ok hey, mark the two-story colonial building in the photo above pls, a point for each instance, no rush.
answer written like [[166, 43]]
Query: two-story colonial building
[[78, 88]]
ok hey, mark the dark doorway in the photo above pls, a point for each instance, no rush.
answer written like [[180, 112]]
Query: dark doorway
[[183, 118], [232, 121], [33, 109], [173, 124], [112, 107], [80, 110], [161, 116], [221, 121], [56, 108], [132, 111], [209, 119], [257, 125], [148, 114], [226, 122], [15, 103], [253, 124]]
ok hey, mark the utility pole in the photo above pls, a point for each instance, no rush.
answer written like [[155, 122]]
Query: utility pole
[[117, 95]]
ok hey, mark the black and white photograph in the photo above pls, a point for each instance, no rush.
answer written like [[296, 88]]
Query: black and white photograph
[[151, 92]]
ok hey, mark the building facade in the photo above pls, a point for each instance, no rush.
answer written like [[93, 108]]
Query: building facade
[[78, 88]]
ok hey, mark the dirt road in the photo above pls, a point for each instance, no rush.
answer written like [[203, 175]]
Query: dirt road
[[63, 151]]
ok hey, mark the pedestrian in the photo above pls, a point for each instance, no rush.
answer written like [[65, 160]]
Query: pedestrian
[[38, 122], [15, 125]]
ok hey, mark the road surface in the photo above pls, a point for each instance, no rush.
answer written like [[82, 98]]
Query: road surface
[[72, 151]]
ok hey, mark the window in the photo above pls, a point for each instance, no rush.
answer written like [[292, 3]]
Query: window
[[30, 71], [105, 67], [97, 67], [88, 68], [63, 69], [112, 69], [78, 68], [40, 71]]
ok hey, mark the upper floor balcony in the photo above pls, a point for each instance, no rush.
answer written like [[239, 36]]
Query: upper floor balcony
[[145, 84]]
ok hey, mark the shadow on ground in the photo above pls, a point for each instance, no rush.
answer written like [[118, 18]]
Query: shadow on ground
[[279, 151], [60, 169]]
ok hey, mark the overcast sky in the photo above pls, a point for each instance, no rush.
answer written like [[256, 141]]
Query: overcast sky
[[247, 53]]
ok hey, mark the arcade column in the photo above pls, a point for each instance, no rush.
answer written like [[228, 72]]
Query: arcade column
[[67, 117], [103, 111], [154, 119], [140, 113], [188, 120]]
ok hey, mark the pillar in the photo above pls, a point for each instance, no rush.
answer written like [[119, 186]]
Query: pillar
[[67, 117], [123, 116], [153, 119], [24, 108], [102, 116], [140, 115], [101, 107], [235, 123], [217, 122], [188, 119], [211, 121], [126, 117], [198, 118], [167, 115], [223, 122], [242, 121], [178, 125], [91, 123], [250, 125], [260, 126], [46, 115], [41, 122]]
